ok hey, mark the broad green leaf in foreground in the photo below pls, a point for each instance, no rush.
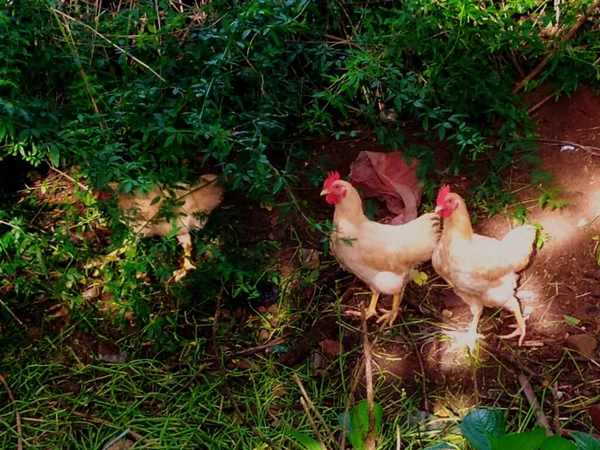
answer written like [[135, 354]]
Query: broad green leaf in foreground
[[530, 440], [585, 441], [558, 443], [306, 442], [479, 424], [356, 423]]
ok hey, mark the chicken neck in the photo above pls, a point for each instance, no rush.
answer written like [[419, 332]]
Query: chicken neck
[[350, 208], [459, 222]]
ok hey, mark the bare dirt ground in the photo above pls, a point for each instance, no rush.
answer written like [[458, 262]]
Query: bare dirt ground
[[562, 280]]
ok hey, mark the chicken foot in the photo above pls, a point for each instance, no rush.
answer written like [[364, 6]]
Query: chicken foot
[[389, 317], [514, 306], [371, 311]]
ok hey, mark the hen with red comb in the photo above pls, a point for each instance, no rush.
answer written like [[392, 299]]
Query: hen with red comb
[[483, 271], [382, 256], [332, 177], [442, 194]]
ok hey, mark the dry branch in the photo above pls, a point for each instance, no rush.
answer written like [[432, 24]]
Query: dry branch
[[312, 406], [5, 306], [594, 151], [530, 395], [370, 442], [572, 31], [100, 35]]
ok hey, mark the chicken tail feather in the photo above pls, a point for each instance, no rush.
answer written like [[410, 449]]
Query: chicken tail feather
[[519, 243]]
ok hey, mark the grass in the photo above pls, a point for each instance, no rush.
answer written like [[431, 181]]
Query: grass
[[179, 400], [174, 392]]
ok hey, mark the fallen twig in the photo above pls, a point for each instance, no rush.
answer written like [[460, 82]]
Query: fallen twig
[[594, 151], [541, 103], [70, 178], [11, 397], [555, 404], [312, 422], [259, 348], [370, 442], [353, 387], [574, 29], [133, 434], [417, 350], [5, 306], [530, 395]]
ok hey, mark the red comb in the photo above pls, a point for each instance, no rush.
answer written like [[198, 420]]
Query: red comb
[[331, 178], [442, 194]]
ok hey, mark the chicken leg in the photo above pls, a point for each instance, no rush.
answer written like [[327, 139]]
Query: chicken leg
[[514, 306], [186, 242], [476, 310]]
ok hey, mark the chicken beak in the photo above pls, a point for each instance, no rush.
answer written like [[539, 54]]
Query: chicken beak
[[438, 209], [324, 192]]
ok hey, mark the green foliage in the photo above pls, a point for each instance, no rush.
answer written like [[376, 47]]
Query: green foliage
[[585, 441], [306, 442], [480, 425], [356, 423], [232, 83], [485, 430]]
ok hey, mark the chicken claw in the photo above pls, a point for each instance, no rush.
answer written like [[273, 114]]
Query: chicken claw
[[371, 311], [463, 339], [180, 273], [389, 317], [514, 306]]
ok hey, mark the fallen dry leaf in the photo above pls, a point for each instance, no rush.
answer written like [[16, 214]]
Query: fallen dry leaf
[[331, 349], [584, 344], [595, 415]]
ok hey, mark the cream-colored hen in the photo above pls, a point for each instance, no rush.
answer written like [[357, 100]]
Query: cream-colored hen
[[383, 256], [483, 271]]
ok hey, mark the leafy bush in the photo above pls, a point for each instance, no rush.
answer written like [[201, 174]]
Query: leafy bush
[[140, 92], [132, 92]]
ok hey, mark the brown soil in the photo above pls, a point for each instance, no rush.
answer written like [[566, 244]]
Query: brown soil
[[562, 279]]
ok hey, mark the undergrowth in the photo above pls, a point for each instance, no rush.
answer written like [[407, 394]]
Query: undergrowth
[[145, 92]]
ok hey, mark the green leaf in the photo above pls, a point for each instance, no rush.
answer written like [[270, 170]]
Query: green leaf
[[570, 320], [304, 441], [479, 424], [169, 140], [356, 423], [558, 443], [440, 446], [54, 155], [530, 440], [585, 441], [398, 103]]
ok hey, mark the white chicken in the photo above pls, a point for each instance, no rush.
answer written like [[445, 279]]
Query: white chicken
[[383, 256]]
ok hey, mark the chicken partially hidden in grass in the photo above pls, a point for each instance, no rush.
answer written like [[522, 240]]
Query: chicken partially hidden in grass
[[191, 206]]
